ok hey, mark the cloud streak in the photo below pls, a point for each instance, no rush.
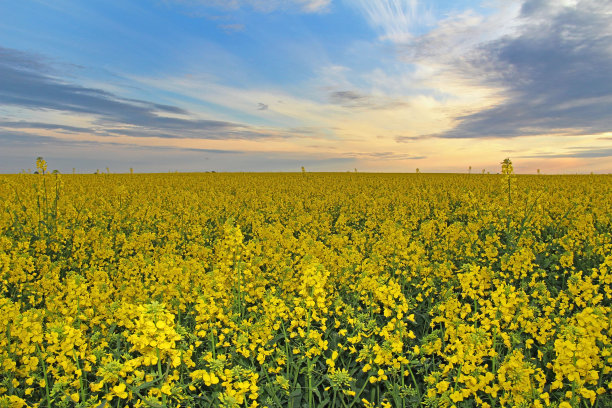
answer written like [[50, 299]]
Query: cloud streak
[[232, 28], [39, 125], [19, 138], [577, 152], [26, 82], [396, 20], [265, 6], [383, 156], [355, 99]]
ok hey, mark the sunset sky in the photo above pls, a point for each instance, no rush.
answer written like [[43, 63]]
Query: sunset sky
[[331, 85]]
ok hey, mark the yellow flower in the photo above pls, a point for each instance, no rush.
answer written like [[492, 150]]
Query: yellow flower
[[442, 386], [456, 396], [119, 391]]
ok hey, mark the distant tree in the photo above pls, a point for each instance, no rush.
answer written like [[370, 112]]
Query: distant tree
[[470, 170], [418, 171]]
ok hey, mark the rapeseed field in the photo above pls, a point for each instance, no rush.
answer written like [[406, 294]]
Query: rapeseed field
[[305, 290]]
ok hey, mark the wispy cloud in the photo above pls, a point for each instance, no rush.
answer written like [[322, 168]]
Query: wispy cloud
[[396, 20], [383, 156], [9, 139], [355, 99], [459, 34], [349, 99], [576, 152], [40, 125], [18, 138], [266, 6], [313, 6], [408, 139], [232, 28]]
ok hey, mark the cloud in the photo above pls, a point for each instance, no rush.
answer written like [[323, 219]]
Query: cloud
[[314, 6], [383, 156], [26, 82], [459, 34], [232, 28], [553, 72], [262, 106], [265, 6], [396, 20], [40, 125], [577, 152], [408, 139], [18, 138], [354, 99], [348, 98]]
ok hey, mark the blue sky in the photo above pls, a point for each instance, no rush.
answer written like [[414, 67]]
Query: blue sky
[[332, 85]]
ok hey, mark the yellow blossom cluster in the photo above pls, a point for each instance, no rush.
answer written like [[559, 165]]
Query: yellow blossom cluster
[[306, 289]]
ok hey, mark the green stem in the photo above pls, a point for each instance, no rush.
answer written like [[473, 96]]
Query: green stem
[[357, 395], [238, 266], [10, 355], [573, 400], [161, 375], [509, 195], [40, 221], [286, 349], [310, 394], [598, 386], [274, 396], [213, 344], [82, 386], [309, 361], [44, 367], [494, 362], [403, 382], [414, 381]]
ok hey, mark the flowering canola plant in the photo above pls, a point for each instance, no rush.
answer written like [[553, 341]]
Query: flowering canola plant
[[306, 289]]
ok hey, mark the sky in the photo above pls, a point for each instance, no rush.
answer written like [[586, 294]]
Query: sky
[[331, 85]]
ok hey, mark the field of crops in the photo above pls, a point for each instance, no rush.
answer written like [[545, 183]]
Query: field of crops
[[305, 290]]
